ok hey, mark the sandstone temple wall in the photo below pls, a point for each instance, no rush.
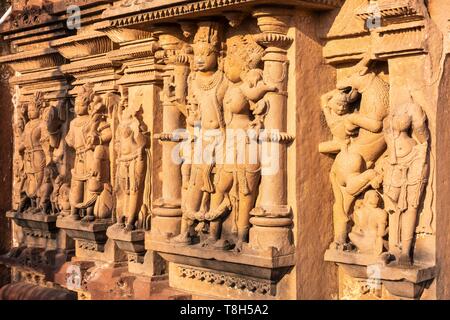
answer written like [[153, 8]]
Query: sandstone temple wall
[[236, 149]]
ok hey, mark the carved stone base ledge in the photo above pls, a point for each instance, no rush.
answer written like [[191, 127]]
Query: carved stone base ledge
[[259, 267], [91, 242], [27, 291], [140, 261], [36, 260], [210, 283], [400, 282], [98, 281], [35, 224], [89, 235], [132, 242]]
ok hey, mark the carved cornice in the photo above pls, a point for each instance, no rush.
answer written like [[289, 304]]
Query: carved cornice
[[120, 35], [397, 27], [410, 38], [141, 50], [34, 59], [129, 12], [392, 8], [27, 14], [89, 65], [83, 45]]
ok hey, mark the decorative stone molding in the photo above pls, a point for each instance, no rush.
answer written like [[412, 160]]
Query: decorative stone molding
[[33, 60], [151, 13], [83, 45], [231, 281]]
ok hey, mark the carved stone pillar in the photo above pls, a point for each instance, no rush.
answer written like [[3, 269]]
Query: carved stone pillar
[[167, 209], [272, 218]]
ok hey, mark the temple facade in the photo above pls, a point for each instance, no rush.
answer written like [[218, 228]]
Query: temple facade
[[225, 149]]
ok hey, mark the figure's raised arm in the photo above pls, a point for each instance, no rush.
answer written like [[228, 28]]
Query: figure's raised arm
[[419, 126]]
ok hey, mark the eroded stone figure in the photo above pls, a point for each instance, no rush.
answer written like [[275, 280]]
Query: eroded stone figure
[[353, 169], [405, 175], [131, 141], [89, 135], [370, 225], [39, 137]]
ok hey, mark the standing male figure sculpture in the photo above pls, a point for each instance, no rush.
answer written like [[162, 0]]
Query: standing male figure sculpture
[[40, 136], [89, 135], [207, 87]]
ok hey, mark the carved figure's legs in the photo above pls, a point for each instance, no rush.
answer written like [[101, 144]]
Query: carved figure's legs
[[193, 202], [340, 217], [34, 180], [120, 206], [76, 197], [44, 198], [409, 219], [219, 204], [132, 209], [246, 204]]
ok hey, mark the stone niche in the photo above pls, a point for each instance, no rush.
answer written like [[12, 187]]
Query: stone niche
[[215, 148]]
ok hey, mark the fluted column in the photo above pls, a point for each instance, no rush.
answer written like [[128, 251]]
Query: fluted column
[[272, 218]]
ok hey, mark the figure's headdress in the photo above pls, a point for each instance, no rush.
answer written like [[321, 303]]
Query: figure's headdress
[[246, 49], [208, 32], [38, 100], [86, 92]]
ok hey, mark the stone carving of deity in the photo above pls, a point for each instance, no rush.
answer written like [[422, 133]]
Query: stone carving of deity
[[229, 104], [405, 175], [207, 87], [38, 138], [238, 177], [131, 142], [89, 135]]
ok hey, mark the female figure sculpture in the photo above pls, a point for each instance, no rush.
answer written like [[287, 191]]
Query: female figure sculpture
[[405, 175], [237, 178], [131, 164]]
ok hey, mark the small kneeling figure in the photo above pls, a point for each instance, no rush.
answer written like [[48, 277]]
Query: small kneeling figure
[[370, 225]]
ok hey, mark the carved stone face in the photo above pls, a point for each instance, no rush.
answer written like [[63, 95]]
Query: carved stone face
[[233, 68], [339, 105], [81, 106], [205, 57], [33, 111], [372, 198]]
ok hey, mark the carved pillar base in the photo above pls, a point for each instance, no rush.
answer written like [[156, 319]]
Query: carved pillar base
[[272, 231], [140, 261]]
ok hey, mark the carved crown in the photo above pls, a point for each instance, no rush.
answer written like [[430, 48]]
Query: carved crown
[[208, 32], [38, 100]]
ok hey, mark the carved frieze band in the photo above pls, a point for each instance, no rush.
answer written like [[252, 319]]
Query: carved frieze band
[[257, 286]]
